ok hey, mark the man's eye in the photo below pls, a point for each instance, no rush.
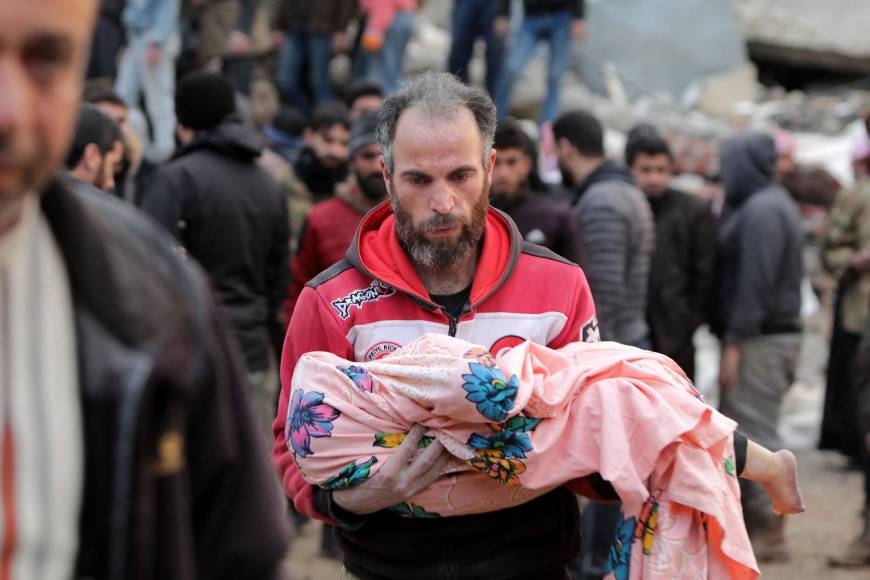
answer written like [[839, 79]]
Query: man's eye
[[44, 60], [461, 177]]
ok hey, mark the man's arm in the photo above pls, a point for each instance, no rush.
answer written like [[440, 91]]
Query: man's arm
[[165, 25], [582, 324], [278, 269], [165, 202], [312, 328], [603, 235], [240, 525], [306, 265], [702, 266]]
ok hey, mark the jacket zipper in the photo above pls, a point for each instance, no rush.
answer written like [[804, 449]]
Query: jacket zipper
[[452, 330]]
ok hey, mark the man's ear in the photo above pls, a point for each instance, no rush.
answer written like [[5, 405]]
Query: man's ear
[[307, 135], [491, 168], [386, 175], [92, 158]]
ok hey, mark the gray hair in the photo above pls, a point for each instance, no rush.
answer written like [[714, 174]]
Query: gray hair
[[439, 95]]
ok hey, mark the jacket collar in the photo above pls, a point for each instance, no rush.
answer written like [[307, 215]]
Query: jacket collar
[[607, 171], [377, 252]]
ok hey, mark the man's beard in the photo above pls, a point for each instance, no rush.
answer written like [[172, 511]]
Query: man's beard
[[441, 255], [567, 176], [372, 185]]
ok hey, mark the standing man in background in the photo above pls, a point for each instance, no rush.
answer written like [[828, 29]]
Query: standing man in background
[[555, 22], [231, 216], [758, 318], [542, 219], [681, 280], [148, 68]]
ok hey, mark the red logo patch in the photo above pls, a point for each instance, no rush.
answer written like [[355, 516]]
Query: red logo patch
[[505, 343]]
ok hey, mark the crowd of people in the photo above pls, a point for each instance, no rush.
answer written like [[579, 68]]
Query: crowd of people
[[264, 211]]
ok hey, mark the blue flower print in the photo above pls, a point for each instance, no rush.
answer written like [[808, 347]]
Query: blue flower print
[[513, 444], [620, 550], [351, 475], [360, 377], [492, 393]]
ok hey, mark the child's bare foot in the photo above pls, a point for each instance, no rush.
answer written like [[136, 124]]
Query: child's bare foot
[[782, 485]]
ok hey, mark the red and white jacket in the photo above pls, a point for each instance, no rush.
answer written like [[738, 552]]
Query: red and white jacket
[[373, 303]]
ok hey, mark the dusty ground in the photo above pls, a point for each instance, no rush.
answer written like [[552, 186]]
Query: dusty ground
[[832, 496]]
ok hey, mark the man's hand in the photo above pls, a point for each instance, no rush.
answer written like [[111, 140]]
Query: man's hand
[[403, 475], [152, 56], [238, 43], [728, 366], [500, 26], [340, 42], [578, 29], [861, 261]]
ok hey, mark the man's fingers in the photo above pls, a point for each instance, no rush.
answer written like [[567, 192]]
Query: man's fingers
[[405, 451], [425, 462]]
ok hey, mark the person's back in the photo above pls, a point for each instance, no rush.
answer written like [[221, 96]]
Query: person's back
[[230, 215]]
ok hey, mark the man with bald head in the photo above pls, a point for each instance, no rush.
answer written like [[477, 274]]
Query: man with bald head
[[435, 258], [108, 344]]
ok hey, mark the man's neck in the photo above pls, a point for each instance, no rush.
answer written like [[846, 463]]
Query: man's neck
[[585, 166], [11, 212], [456, 278]]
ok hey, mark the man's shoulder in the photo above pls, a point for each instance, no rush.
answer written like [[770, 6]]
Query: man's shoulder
[[546, 259], [115, 254]]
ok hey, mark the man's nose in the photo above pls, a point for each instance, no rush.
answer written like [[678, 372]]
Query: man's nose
[[442, 198]]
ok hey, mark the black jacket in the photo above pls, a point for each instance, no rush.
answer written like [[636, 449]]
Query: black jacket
[[760, 244], [177, 481], [537, 7], [546, 220], [230, 215], [682, 273]]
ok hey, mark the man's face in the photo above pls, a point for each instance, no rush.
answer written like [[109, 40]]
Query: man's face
[[329, 145], [652, 173], [564, 154], [512, 168], [105, 178], [439, 186], [43, 50], [366, 166], [363, 104]]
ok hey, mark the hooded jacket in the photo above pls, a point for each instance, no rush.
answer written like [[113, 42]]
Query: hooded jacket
[[371, 304], [230, 215], [176, 486], [760, 244], [617, 235]]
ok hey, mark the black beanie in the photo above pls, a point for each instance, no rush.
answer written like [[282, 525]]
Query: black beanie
[[204, 99]]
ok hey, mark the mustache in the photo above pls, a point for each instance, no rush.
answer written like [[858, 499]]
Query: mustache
[[440, 221]]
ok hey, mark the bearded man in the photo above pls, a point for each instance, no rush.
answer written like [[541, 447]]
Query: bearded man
[[328, 229], [436, 258]]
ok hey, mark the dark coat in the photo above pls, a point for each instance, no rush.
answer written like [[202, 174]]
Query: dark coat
[[760, 244], [177, 482], [536, 7], [231, 215], [682, 273], [324, 16], [547, 221]]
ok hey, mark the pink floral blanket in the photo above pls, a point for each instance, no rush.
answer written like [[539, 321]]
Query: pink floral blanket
[[528, 421]]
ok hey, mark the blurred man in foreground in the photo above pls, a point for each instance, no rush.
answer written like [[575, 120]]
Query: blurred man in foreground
[[126, 439]]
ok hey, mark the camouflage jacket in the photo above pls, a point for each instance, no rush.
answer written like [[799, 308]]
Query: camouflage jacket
[[848, 233]]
